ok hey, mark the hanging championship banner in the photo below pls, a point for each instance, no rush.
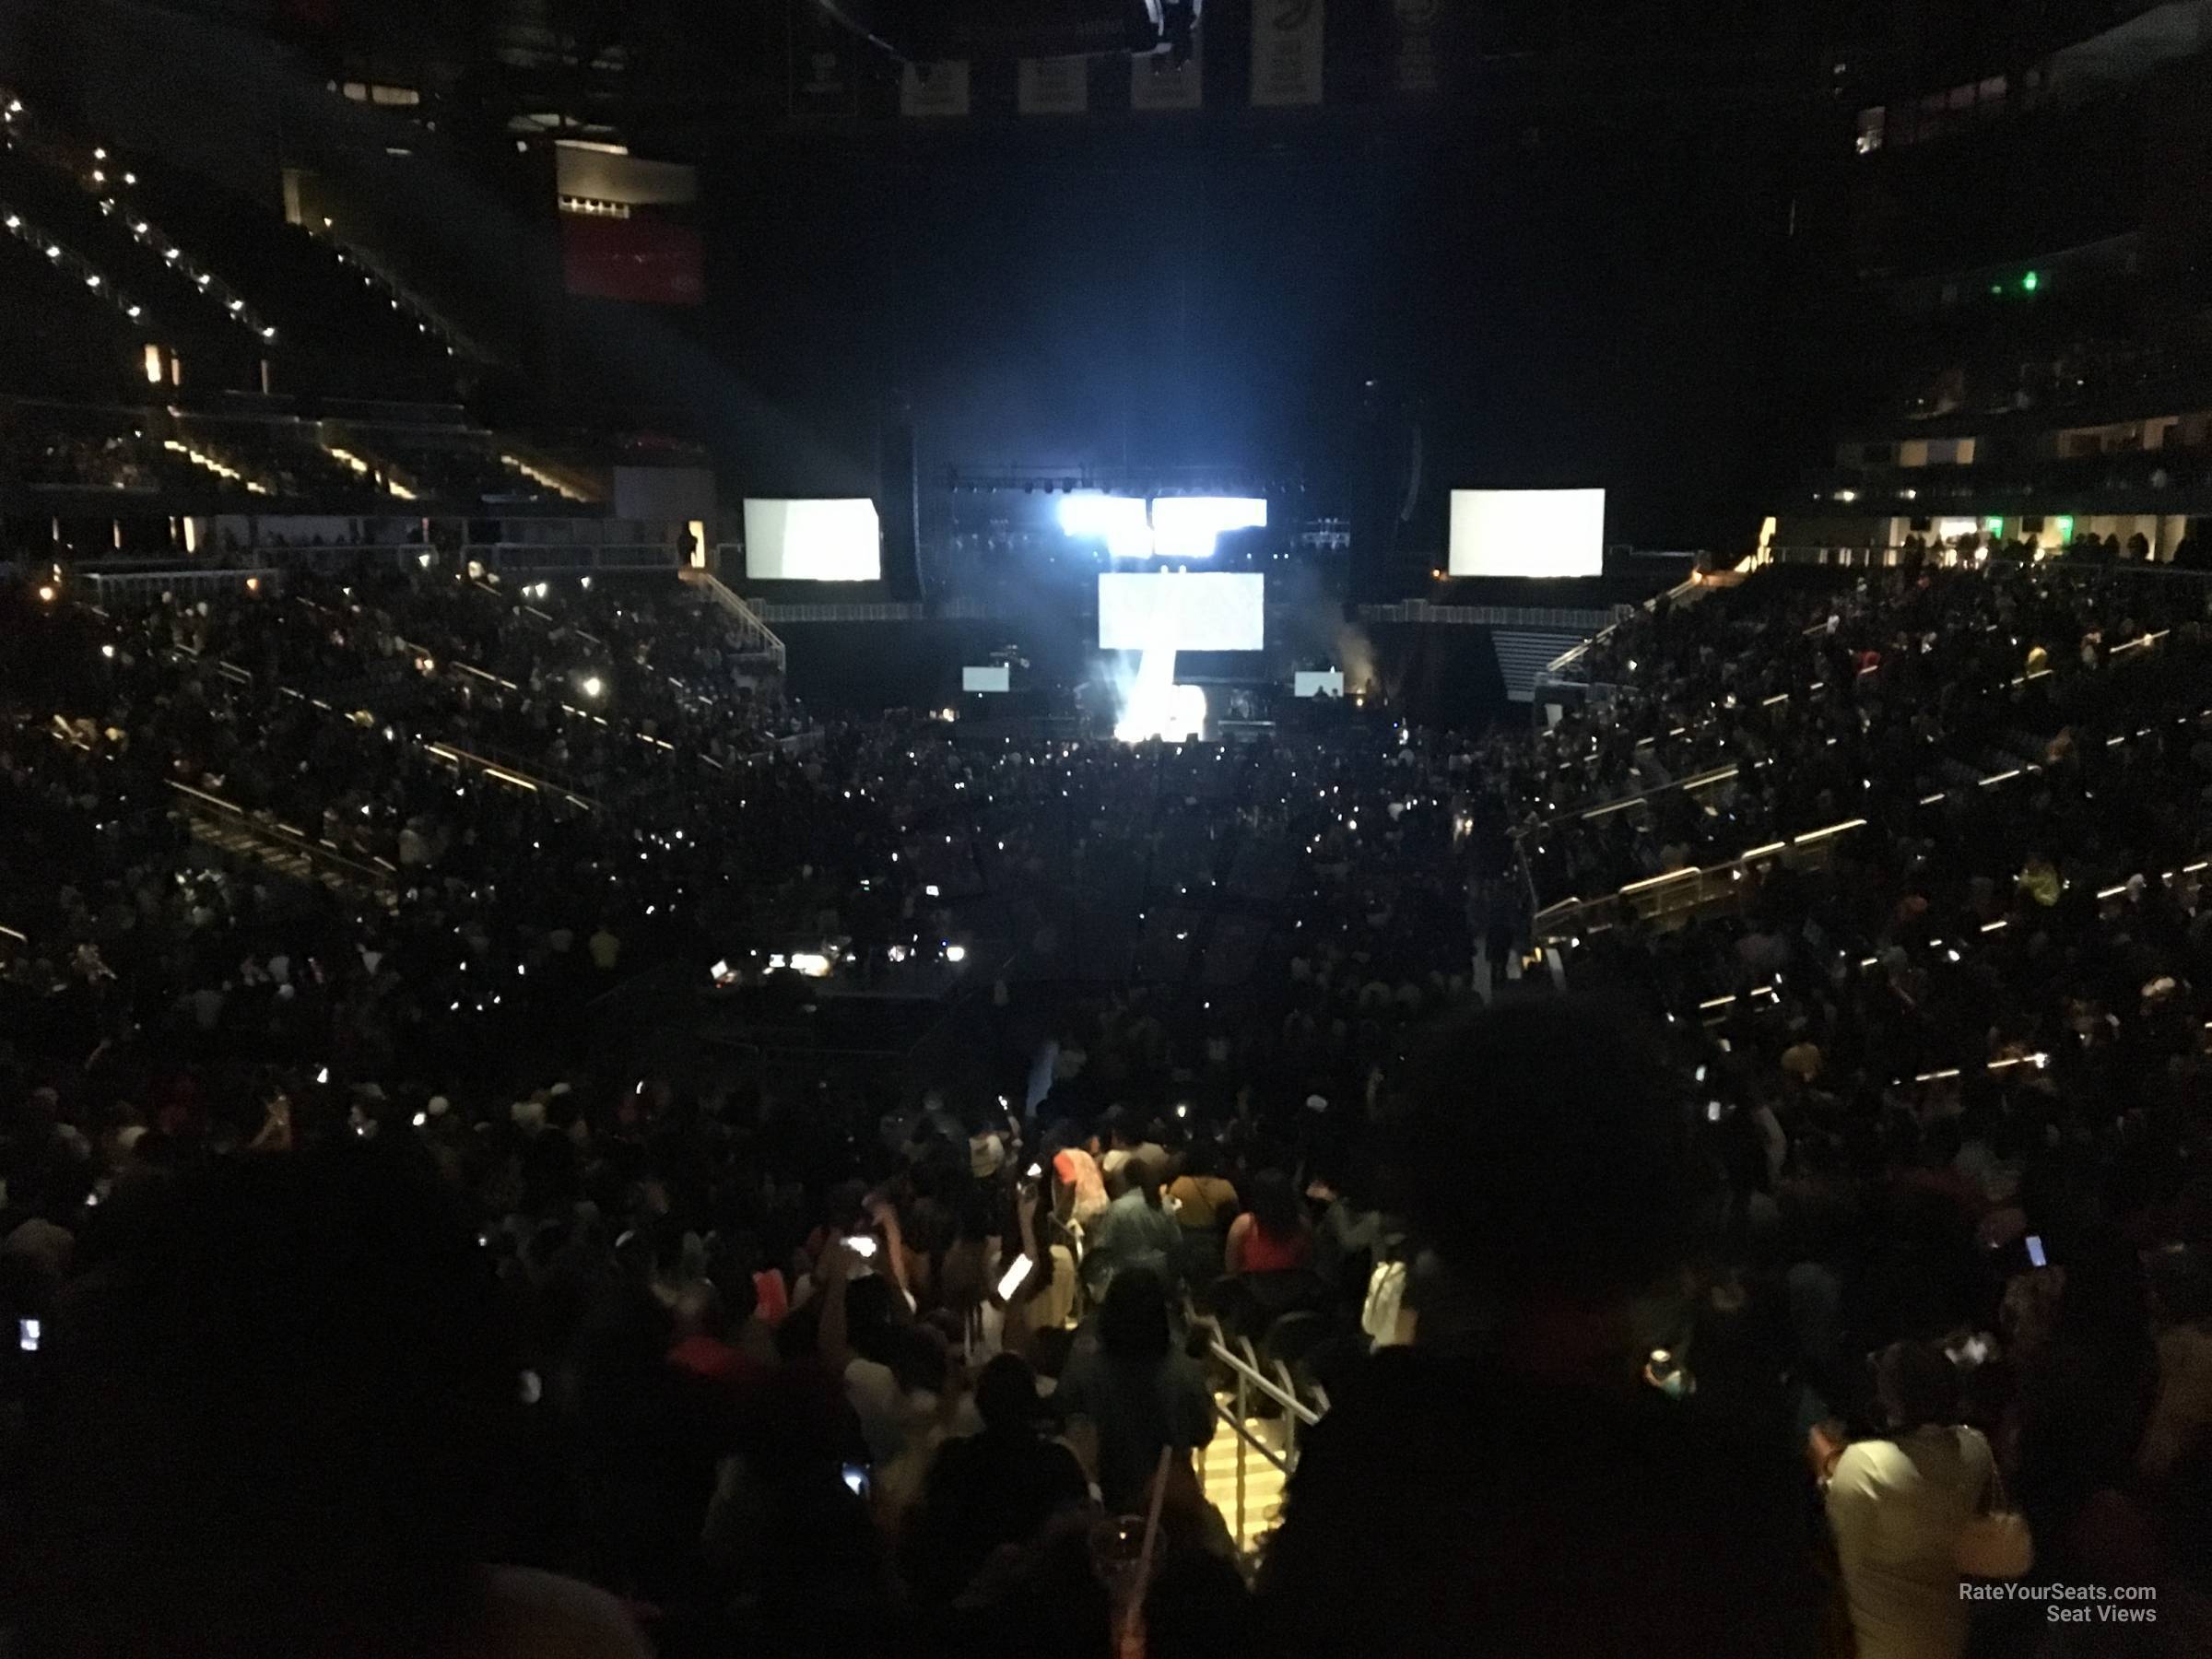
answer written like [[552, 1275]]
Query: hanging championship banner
[[644, 259], [1286, 52], [1053, 86], [825, 70], [1158, 82], [934, 88], [1413, 47]]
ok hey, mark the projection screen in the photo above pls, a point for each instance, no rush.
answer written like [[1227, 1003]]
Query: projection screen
[[1210, 610], [835, 540], [1528, 532]]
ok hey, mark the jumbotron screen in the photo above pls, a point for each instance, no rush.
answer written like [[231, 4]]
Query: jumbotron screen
[[1528, 532], [832, 540], [1181, 610]]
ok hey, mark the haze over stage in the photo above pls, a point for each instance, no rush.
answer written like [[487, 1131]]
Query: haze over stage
[[1528, 532], [838, 539]]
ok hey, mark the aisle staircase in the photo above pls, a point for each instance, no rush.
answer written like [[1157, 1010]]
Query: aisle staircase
[[755, 639], [1242, 1483], [1258, 1418]]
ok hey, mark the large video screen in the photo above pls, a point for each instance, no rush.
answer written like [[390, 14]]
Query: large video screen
[[836, 540], [1528, 532], [1179, 610]]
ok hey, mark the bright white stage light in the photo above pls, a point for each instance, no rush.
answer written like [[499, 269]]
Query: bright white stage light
[[1189, 527], [1118, 521], [1176, 528]]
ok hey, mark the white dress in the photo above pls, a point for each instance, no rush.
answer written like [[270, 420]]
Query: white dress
[[1898, 1508]]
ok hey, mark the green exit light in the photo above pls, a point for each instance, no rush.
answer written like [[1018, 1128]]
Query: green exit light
[[1996, 526], [2030, 282], [2064, 524]]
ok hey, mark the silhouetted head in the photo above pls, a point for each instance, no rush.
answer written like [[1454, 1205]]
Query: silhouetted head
[[276, 1408]]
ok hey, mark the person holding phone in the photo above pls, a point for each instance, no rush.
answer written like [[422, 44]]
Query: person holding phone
[[893, 1373]]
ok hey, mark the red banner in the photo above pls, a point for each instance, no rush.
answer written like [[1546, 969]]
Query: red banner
[[647, 261]]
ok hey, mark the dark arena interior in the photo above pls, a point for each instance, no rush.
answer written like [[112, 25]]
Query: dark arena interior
[[710, 715]]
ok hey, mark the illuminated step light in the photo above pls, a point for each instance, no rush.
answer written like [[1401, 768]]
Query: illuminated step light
[[539, 475], [392, 485]]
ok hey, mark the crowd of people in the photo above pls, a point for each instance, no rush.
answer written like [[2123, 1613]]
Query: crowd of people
[[377, 1290], [1797, 703]]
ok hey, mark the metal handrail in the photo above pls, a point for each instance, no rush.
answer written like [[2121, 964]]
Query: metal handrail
[[1890, 555], [1248, 1367], [1281, 1388], [1493, 616], [510, 775], [753, 629], [199, 801], [569, 556], [128, 585], [1684, 892]]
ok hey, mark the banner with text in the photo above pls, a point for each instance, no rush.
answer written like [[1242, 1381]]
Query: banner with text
[[934, 88], [825, 63], [1413, 46], [1157, 82], [1053, 86], [1286, 52]]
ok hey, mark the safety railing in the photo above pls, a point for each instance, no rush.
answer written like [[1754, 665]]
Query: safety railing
[[326, 862], [1583, 618], [1674, 897], [1251, 1384], [1644, 797], [754, 634], [885, 610], [146, 586], [399, 555], [511, 772], [567, 558], [1689, 586], [1890, 557], [835, 610]]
